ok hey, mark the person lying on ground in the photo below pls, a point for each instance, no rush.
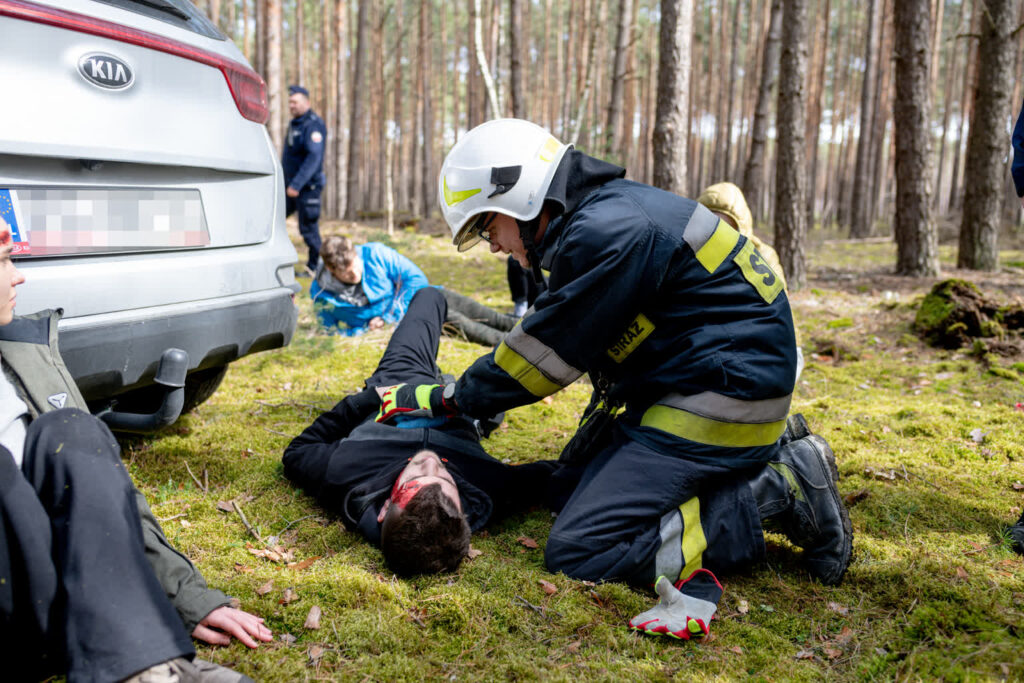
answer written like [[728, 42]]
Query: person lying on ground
[[89, 585], [687, 336], [416, 487], [360, 288]]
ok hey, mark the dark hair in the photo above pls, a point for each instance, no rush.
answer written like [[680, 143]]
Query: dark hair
[[338, 252], [428, 537]]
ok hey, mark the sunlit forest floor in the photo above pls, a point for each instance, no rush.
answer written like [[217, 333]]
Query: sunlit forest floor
[[929, 450]]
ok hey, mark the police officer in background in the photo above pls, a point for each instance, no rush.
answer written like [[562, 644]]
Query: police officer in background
[[303, 162]]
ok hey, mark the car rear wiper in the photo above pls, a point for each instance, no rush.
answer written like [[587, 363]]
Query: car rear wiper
[[163, 6]]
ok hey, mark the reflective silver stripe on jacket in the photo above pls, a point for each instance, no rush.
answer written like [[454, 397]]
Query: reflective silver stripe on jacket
[[669, 560], [726, 409], [542, 357], [700, 228]]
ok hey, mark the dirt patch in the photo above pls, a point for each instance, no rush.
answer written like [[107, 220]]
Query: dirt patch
[[956, 313]]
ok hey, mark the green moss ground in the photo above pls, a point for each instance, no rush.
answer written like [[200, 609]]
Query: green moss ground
[[933, 592]]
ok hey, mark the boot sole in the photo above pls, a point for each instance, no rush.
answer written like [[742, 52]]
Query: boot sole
[[828, 461]]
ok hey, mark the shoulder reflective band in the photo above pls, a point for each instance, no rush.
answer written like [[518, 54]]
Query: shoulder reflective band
[[718, 247], [533, 364]]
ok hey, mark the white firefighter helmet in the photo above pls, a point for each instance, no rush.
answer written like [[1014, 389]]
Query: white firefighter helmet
[[504, 165]]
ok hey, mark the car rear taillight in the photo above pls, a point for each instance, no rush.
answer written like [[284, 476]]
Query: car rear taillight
[[246, 86]]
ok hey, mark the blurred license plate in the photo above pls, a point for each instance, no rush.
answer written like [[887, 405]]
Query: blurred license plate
[[54, 221]]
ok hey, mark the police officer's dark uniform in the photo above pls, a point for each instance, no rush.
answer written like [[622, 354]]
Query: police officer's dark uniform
[[302, 162]]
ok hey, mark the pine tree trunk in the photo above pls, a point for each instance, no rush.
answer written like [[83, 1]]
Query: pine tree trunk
[[791, 181], [428, 193], [730, 98], [356, 125], [754, 172], [917, 243], [860, 198], [880, 116], [669, 142], [623, 31], [481, 60], [274, 98], [970, 46], [952, 60], [989, 138], [300, 44], [517, 93], [341, 106], [817, 90]]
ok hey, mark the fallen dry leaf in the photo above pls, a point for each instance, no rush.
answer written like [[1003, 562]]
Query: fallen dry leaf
[[265, 588], [805, 654], [313, 618], [474, 553], [548, 587], [185, 524], [288, 596], [736, 649], [978, 436], [242, 569], [315, 653], [855, 497], [961, 573], [225, 506], [888, 475], [528, 542], [547, 400], [574, 647], [247, 452], [305, 564], [743, 607], [417, 615], [287, 638], [844, 636], [1017, 486], [833, 653]]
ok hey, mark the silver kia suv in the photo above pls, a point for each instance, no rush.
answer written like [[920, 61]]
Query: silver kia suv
[[143, 191]]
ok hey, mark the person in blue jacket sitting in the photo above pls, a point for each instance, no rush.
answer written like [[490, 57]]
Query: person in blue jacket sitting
[[356, 288], [360, 288]]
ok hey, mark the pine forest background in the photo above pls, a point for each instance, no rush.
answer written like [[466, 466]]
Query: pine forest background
[[884, 118]]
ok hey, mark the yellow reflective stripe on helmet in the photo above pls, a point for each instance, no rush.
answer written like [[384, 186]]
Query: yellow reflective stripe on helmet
[[549, 150], [712, 432], [520, 369], [694, 541], [423, 395], [453, 198], [718, 247]]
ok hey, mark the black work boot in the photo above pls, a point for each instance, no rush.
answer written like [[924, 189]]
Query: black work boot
[[797, 494], [796, 428], [1016, 533]]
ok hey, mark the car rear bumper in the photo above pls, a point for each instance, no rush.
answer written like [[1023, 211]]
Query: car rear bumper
[[213, 332]]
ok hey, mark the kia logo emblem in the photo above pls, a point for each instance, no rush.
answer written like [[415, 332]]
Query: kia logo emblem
[[106, 71]]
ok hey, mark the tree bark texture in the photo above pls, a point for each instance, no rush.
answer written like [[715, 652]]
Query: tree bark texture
[[754, 172], [791, 174], [860, 198], [274, 85], [989, 137], [674, 39], [917, 248], [355, 140]]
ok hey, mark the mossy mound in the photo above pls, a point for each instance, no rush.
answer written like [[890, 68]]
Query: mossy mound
[[956, 314]]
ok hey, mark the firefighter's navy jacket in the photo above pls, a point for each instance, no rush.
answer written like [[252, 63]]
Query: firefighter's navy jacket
[[303, 156], [673, 306]]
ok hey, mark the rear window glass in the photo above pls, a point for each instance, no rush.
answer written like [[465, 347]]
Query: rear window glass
[[180, 13]]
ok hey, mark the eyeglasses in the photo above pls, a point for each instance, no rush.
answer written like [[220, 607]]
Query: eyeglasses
[[482, 226]]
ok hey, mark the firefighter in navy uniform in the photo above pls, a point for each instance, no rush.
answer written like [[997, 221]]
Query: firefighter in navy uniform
[[686, 332], [303, 162]]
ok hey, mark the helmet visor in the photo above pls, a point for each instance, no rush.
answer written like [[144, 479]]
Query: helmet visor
[[475, 229]]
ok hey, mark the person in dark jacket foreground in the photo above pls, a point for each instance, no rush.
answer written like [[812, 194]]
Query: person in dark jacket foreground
[[1016, 532], [417, 487], [89, 586], [687, 336]]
